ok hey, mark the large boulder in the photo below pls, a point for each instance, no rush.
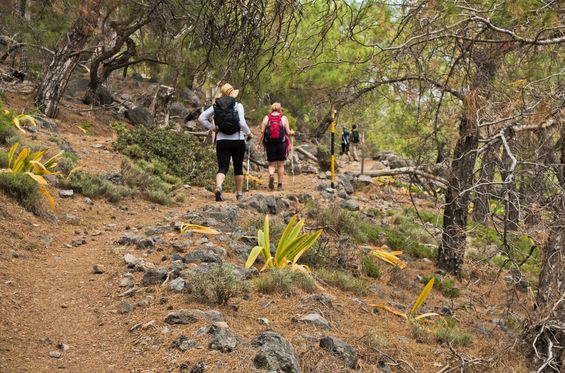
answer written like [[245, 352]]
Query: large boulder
[[177, 109], [275, 353], [223, 339], [190, 97], [154, 276], [76, 87], [139, 116], [340, 349]]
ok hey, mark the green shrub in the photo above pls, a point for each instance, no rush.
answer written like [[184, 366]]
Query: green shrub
[[370, 268], [133, 151], [95, 185], [182, 155], [217, 285], [3, 159], [445, 286], [285, 281], [449, 332], [22, 188], [374, 340], [148, 178], [343, 281], [67, 163], [7, 129]]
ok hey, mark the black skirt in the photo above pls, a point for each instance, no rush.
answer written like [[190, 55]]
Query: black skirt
[[276, 151]]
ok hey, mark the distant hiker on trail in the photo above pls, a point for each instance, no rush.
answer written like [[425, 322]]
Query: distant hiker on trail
[[231, 131], [345, 142], [275, 132], [355, 140]]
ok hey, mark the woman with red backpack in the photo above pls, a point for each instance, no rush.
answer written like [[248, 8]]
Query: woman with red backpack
[[275, 132]]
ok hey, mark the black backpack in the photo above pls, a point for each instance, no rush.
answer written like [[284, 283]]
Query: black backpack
[[354, 136], [226, 117]]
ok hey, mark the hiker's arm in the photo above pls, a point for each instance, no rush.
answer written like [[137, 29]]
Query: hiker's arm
[[287, 126], [242, 123], [262, 134], [204, 118]]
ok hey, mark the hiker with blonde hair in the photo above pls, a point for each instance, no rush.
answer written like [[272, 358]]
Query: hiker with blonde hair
[[231, 132], [275, 132]]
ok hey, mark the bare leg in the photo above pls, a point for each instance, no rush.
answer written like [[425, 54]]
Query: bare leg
[[280, 171], [238, 183], [220, 179], [272, 167]]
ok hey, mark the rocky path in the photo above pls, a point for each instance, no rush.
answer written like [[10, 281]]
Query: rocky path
[[61, 306]]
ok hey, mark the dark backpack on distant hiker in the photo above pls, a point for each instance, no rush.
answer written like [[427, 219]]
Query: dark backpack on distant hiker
[[354, 136], [226, 116], [274, 131]]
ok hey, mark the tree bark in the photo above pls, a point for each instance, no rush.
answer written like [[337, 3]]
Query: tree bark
[[452, 247], [481, 203], [546, 336], [65, 59], [453, 240]]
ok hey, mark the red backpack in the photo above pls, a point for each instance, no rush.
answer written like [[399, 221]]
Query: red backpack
[[274, 131]]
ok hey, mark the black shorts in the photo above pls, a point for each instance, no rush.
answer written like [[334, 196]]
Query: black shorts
[[230, 149], [276, 151]]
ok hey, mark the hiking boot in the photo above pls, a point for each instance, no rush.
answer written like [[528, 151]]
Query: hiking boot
[[218, 194], [279, 187], [271, 183], [239, 196]]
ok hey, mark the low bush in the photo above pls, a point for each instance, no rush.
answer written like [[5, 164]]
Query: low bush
[[343, 281], [216, 286], [374, 340], [95, 185], [151, 180], [3, 159], [370, 268], [7, 130], [22, 188], [447, 331], [285, 282], [67, 163], [182, 155], [445, 286]]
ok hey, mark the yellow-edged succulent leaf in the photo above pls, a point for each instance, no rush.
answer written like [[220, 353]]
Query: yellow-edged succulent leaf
[[43, 190], [11, 154], [268, 264], [286, 232], [198, 229], [19, 163], [40, 179], [423, 295], [253, 256], [306, 244], [390, 309], [266, 241], [389, 257], [426, 315]]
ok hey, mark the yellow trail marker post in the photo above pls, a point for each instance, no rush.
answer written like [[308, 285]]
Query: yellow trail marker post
[[333, 149]]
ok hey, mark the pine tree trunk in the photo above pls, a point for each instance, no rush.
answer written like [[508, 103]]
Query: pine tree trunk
[[65, 59], [481, 203], [453, 240], [546, 336]]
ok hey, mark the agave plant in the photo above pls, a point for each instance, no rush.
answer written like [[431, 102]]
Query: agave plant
[[186, 227], [20, 119], [292, 245], [30, 164], [412, 315], [391, 257]]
